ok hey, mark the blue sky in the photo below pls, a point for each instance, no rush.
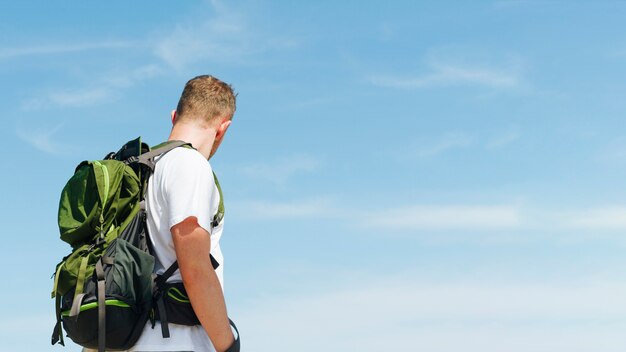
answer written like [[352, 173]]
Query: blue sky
[[434, 176]]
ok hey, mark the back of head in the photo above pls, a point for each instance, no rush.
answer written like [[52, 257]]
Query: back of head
[[206, 100]]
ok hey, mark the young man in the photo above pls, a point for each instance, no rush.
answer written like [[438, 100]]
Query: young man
[[181, 201]]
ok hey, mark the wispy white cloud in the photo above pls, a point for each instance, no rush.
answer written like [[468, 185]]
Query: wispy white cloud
[[106, 89], [451, 75], [482, 223], [43, 139], [413, 314], [61, 48], [279, 170], [503, 139], [446, 217], [228, 36], [100, 89], [218, 39], [446, 143], [448, 67], [128, 78], [79, 98], [69, 99], [271, 210], [602, 218], [452, 141], [407, 218]]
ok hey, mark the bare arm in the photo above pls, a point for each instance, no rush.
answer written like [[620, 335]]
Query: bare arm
[[192, 244]]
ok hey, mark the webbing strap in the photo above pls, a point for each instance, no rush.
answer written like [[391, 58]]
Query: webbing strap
[[220, 208], [161, 279], [148, 158], [160, 283], [166, 147], [56, 279], [80, 280], [78, 300], [214, 262], [166, 275], [57, 332], [101, 307], [165, 329], [236, 346]]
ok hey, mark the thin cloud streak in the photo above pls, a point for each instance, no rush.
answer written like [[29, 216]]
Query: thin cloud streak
[[447, 142], [278, 171], [61, 48], [446, 218], [79, 98], [503, 140], [414, 217], [456, 141], [605, 218], [106, 90], [481, 220], [43, 139], [595, 221], [215, 40], [227, 37], [444, 75], [268, 210]]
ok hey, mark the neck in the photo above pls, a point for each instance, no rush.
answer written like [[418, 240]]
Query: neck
[[202, 138]]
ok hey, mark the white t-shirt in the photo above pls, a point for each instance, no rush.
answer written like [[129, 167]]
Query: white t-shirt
[[182, 186]]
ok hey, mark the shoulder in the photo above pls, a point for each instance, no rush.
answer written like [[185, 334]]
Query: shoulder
[[184, 158]]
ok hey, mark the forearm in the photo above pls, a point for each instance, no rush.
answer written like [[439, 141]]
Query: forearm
[[192, 244], [206, 296]]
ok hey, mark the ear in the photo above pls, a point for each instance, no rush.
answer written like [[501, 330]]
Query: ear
[[222, 128], [173, 117]]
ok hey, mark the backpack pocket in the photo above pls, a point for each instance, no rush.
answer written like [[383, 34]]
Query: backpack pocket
[[128, 294], [178, 309], [83, 328]]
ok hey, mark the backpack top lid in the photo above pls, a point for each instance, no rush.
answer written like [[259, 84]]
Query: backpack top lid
[[103, 195], [100, 197]]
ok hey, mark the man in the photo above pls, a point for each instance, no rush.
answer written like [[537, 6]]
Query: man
[[181, 201]]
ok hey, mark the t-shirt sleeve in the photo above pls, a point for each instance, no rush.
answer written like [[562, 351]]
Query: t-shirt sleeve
[[189, 189]]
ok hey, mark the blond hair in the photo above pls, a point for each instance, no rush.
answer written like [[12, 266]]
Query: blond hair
[[207, 99]]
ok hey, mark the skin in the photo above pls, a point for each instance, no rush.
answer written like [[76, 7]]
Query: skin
[[192, 243]]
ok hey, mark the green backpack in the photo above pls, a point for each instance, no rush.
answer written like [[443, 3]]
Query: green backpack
[[105, 289]]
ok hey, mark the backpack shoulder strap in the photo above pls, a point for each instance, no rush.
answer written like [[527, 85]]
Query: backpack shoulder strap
[[148, 158], [220, 208]]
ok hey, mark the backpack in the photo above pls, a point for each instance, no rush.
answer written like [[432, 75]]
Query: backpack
[[105, 290]]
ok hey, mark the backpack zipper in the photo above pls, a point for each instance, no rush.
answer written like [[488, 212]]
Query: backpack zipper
[[175, 294], [105, 173], [92, 305]]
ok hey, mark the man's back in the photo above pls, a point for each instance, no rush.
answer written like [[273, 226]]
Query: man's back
[[182, 186]]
